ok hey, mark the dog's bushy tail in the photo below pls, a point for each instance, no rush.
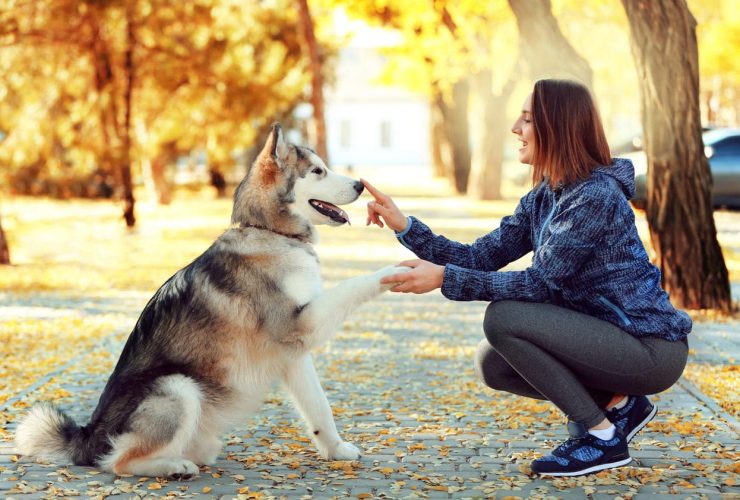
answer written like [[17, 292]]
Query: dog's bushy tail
[[49, 433]]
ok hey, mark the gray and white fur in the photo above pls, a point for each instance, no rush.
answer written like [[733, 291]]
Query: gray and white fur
[[218, 333]]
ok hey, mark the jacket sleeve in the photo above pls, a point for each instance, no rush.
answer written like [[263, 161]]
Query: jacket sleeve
[[572, 235], [505, 244]]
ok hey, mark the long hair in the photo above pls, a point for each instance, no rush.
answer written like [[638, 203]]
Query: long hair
[[569, 137]]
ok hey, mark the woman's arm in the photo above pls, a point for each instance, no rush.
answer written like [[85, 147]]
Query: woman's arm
[[505, 244], [573, 236]]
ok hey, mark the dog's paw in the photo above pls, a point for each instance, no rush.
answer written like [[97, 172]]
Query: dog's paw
[[344, 451], [182, 469], [390, 271]]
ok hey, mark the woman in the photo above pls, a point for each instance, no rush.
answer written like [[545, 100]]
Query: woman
[[587, 325]]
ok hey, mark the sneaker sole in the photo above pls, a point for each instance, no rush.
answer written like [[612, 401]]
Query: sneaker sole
[[595, 468], [642, 424]]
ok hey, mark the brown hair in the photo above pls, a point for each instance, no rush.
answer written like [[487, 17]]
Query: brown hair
[[569, 138]]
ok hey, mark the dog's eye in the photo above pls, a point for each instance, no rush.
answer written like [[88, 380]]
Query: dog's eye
[[317, 171]]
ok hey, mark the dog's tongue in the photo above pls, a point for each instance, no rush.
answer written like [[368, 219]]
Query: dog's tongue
[[330, 210], [341, 216]]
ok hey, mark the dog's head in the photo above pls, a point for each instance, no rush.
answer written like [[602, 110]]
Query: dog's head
[[289, 189]]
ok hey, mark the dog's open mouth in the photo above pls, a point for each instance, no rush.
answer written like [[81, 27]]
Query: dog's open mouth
[[332, 211]]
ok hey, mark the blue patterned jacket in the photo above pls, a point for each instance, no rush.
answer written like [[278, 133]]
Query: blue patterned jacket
[[587, 256]]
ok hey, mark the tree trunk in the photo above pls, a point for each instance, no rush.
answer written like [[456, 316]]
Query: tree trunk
[[218, 181], [317, 79], [709, 103], [162, 186], [455, 125], [4, 253], [441, 150], [436, 137], [103, 82], [679, 207], [125, 165], [156, 173], [542, 45], [115, 156], [486, 169], [456, 131]]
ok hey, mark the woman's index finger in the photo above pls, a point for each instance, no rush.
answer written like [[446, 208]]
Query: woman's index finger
[[373, 190]]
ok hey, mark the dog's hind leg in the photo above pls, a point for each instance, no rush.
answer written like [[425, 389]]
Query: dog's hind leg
[[206, 445], [160, 430], [305, 388]]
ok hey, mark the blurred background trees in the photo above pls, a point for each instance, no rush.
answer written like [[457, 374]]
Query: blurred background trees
[[95, 91], [98, 97], [4, 252], [92, 88]]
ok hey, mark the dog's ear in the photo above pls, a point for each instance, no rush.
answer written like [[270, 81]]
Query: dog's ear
[[276, 147]]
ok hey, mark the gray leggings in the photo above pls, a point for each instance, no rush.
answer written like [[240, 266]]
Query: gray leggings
[[576, 361]]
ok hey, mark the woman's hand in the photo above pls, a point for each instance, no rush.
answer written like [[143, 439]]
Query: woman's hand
[[383, 207], [423, 278]]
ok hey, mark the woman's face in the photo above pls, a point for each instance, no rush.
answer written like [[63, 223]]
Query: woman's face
[[524, 129]]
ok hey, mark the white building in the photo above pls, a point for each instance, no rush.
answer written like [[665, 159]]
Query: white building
[[369, 124]]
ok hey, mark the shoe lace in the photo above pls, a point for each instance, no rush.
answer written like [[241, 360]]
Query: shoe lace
[[571, 443]]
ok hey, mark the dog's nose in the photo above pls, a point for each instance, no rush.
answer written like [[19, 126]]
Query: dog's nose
[[359, 187]]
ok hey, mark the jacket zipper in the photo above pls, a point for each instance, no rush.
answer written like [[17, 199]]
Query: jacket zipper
[[625, 320], [545, 224]]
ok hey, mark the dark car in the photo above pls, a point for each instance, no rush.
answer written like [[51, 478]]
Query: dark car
[[722, 147]]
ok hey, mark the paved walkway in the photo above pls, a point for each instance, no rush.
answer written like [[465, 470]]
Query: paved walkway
[[401, 382]]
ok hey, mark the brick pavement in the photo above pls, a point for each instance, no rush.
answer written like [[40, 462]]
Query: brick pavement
[[401, 382], [402, 386]]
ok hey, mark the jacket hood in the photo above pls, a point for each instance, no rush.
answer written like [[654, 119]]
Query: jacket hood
[[623, 172]]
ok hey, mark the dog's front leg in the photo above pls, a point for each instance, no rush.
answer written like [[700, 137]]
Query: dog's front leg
[[303, 383], [324, 315]]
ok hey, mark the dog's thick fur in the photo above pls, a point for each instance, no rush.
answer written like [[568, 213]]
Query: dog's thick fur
[[218, 333]]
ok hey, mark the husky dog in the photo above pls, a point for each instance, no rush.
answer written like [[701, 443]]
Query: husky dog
[[218, 333]]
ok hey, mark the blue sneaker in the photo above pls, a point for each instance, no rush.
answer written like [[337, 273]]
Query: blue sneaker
[[583, 453], [633, 416]]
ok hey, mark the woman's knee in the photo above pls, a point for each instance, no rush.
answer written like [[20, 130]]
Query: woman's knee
[[480, 358], [500, 320], [489, 365]]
